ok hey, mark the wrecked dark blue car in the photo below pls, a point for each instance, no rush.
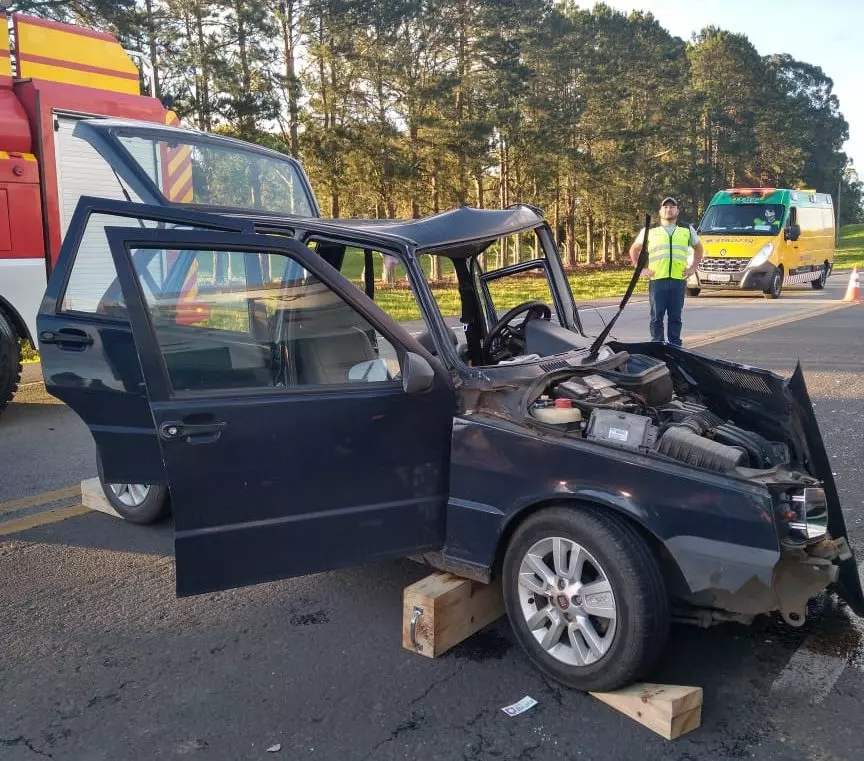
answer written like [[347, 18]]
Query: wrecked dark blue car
[[220, 356]]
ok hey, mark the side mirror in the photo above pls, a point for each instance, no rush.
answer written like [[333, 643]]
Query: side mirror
[[417, 374], [793, 232]]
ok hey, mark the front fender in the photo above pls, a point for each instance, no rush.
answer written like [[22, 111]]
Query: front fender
[[719, 531]]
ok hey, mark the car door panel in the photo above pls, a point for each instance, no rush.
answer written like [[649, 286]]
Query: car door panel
[[99, 376], [321, 472]]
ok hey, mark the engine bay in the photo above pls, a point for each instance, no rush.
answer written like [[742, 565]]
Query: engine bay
[[632, 402]]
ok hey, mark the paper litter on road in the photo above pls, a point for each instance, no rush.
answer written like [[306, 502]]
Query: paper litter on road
[[275, 748], [520, 707]]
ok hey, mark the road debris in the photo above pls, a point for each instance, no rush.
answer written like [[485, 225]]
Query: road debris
[[275, 748], [523, 705]]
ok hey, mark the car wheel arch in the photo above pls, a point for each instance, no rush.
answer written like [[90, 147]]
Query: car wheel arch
[[675, 579]]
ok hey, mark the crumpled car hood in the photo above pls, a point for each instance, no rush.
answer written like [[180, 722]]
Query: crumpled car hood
[[849, 581], [776, 403]]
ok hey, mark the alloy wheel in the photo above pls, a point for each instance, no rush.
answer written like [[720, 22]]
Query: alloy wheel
[[132, 495], [567, 601]]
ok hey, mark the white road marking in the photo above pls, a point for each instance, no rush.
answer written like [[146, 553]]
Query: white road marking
[[811, 673]]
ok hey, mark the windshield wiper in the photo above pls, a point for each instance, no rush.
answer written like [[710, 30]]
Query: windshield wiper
[[640, 265]]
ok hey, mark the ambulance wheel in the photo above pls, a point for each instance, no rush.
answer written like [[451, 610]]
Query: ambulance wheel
[[776, 287], [137, 503], [694, 291], [819, 283], [10, 361], [585, 597]]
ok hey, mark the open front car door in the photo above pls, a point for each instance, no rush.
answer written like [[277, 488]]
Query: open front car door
[[301, 429]]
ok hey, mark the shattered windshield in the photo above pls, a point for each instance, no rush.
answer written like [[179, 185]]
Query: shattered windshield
[[746, 219], [201, 173]]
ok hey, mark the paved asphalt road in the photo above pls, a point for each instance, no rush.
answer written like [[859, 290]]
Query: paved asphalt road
[[100, 661]]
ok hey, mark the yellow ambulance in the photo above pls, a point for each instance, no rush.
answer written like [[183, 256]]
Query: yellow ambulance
[[762, 239]]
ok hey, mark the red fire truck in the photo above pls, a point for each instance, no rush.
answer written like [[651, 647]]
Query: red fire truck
[[58, 82], [73, 124]]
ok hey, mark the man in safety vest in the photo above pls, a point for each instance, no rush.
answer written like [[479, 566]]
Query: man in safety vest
[[668, 268]]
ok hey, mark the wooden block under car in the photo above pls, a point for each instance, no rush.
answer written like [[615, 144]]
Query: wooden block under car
[[93, 497], [443, 609], [667, 709]]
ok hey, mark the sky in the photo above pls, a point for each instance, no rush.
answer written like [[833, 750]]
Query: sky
[[826, 33]]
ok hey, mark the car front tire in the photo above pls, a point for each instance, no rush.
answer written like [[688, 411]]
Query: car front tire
[[586, 597], [694, 291], [137, 503]]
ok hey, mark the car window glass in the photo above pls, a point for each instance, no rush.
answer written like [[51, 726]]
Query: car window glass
[[92, 286], [238, 320], [514, 288]]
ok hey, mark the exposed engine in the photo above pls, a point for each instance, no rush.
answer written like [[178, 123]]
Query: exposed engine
[[634, 407]]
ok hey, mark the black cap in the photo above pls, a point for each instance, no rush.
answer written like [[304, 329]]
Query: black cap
[[669, 199]]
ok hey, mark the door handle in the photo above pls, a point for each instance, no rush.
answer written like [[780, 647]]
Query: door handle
[[194, 433], [72, 337]]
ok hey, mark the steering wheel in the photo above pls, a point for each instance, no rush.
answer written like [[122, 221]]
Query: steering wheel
[[499, 341]]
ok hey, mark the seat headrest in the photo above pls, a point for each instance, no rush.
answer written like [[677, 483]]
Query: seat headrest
[[426, 341]]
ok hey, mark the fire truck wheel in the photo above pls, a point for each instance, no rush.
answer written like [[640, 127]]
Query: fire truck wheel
[[10, 361], [137, 503]]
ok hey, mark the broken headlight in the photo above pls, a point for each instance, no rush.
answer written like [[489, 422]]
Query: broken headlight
[[804, 514]]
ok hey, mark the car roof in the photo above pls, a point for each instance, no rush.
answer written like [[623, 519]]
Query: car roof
[[457, 233]]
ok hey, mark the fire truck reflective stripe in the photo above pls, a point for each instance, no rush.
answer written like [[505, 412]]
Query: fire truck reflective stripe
[[184, 178], [71, 55], [22, 156], [78, 31], [68, 76], [183, 194], [176, 161], [86, 67], [5, 55], [176, 168]]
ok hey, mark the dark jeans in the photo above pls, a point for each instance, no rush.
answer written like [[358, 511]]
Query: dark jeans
[[666, 297]]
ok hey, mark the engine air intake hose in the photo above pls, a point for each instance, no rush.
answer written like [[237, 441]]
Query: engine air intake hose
[[681, 443]]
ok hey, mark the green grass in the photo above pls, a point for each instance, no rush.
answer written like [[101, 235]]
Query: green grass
[[850, 252], [28, 353], [590, 283]]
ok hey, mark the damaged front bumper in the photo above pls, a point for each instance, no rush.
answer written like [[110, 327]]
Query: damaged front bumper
[[813, 553]]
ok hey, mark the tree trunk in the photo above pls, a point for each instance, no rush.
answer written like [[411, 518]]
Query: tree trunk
[[479, 190], [151, 44], [435, 263], [503, 169], [589, 239], [205, 116], [415, 170], [247, 120], [605, 234], [570, 225], [462, 72], [287, 21], [556, 218]]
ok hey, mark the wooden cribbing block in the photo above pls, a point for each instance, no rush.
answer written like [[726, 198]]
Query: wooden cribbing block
[[93, 497], [446, 609], [669, 710]]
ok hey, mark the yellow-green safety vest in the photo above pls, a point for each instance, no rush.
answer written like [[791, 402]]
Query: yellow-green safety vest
[[667, 254]]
